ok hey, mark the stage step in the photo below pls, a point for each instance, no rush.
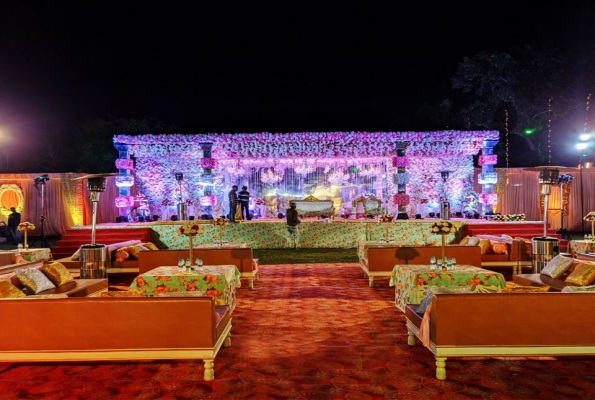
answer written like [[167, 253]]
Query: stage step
[[75, 238]]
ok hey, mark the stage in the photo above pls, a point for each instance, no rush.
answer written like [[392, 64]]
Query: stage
[[338, 233]]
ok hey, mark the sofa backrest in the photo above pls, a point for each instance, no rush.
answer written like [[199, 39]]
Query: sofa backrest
[[107, 323], [513, 319], [241, 258], [517, 249], [385, 258]]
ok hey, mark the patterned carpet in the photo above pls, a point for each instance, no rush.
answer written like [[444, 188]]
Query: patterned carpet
[[310, 331]]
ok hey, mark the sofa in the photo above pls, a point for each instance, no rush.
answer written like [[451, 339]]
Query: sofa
[[122, 328], [380, 261], [506, 324], [516, 258], [77, 288], [555, 284], [242, 258]]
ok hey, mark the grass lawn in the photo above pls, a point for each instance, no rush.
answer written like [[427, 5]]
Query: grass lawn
[[305, 256]]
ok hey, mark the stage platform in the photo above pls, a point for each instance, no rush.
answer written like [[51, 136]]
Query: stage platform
[[338, 233]]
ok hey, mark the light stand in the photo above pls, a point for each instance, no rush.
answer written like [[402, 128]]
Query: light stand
[[445, 207], [181, 206], [42, 242], [563, 180]]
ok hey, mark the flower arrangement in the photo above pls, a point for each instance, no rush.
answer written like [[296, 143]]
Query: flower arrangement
[[25, 226], [124, 201], [510, 217], [124, 163], [400, 161], [208, 201], [189, 202], [402, 199], [208, 163], [490, 159], [402, 178], [490, 199], [386, 218], [167, 203], [221, 221], [260, 202], [443, 228], [423, 201], [190, 228], [124, 180], [590, 217]]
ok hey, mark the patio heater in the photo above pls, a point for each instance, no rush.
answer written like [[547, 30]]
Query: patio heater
[[545, 247], [445, 206], [94, 256], [181, 206]]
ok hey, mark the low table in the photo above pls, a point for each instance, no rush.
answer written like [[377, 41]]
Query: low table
[[581, 246], [364, 245], [219, 281], [31, 255], [412, 281]]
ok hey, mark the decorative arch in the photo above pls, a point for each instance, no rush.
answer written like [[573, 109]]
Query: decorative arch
[[5, 210]]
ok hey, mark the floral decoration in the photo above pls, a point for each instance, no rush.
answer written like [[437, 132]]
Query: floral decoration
[[124, 180], [401, 161], [208, 163], [208, 201], [490, 199], [270, 176], [190, 228], [386, 218], [510, 217], [124, 201], [486, 178], [338, 178], [443, 228], [189, 202], [590, 217], [402, 178], [167, 203], [260, 202], [402, 199], [124, 163], [220, 221], [25, 226], [491, 159]]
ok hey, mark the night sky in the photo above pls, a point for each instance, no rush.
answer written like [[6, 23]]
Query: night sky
[[240, 68]]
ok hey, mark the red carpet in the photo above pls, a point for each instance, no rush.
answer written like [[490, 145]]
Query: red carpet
[[75, 238], [314, 331]]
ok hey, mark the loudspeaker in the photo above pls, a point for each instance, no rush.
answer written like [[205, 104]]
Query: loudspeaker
[[204, 217], [118, 219], [432, 215], [280, 215], [141, 219], [437, 215], [174, 218], [155, 217], [402, 216], [476, 216], [459, 214], [417, 216], [191, 218]]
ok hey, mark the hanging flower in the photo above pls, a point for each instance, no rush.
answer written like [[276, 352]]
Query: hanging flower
[[124, 201], [491, 159], [443, 228], [190, 228], [402, 178], [270, 176], [124, 180], [490, 199], [208, 201], [124, 163], [338, 178], [402, 199], [208, 163], [400, 161], [25, 226]]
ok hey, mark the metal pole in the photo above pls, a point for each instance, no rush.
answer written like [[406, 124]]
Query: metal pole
[[582, 199], [562, 207], [545, 208]]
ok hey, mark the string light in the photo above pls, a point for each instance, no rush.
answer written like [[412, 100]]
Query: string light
[[506, 136], [587, 113], [549, 132]]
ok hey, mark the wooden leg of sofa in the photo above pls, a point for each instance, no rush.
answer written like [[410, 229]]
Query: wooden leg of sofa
[[209, 370], [371, 281], [251, 283], [227, 342], [410, 338], [441, 368]]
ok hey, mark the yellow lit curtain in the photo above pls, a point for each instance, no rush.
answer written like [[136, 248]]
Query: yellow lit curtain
[[9, 199]]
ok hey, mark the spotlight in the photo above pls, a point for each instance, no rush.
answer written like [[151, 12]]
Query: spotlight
[[459, 214], [155, 217], [437, 215], [179, 176], [280, 215], [582, 146], [476, 216], [417, 216], [118, 219], [174, 218], [141, 219], [204, 217], [432, 215], [585, 136], [191, 218]]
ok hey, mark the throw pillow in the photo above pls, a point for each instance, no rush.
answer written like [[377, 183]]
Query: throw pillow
[[150, 246], [557, 266], [435, 290], [578, 289], [583, 275], [499, 248], [514, 288], [134, 252], [484, 245], [34, 280], [122, 254], [465, 240], [76, 256], [9, 291], [473, 241], [57, 273], [506, 236]]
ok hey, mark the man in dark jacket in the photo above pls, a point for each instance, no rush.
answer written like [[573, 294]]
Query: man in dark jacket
[[14, 219], [244, 198], [292, 224], [233, 203]]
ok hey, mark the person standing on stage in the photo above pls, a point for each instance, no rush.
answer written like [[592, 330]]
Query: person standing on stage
[[244, 198], [292, 224], [14, 219], [233, 203]]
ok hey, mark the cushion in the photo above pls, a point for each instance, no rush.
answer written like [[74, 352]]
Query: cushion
[[134, 251], [57, 273], [514, 288], [465, 241], [122, 254], [499, 248], [34, 280], [473, 241], [583, 275], [76, 256], [506, 236], [150, 246], [10, 291], [557, 266], [484, 245], [578, 289], [435, 290]]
